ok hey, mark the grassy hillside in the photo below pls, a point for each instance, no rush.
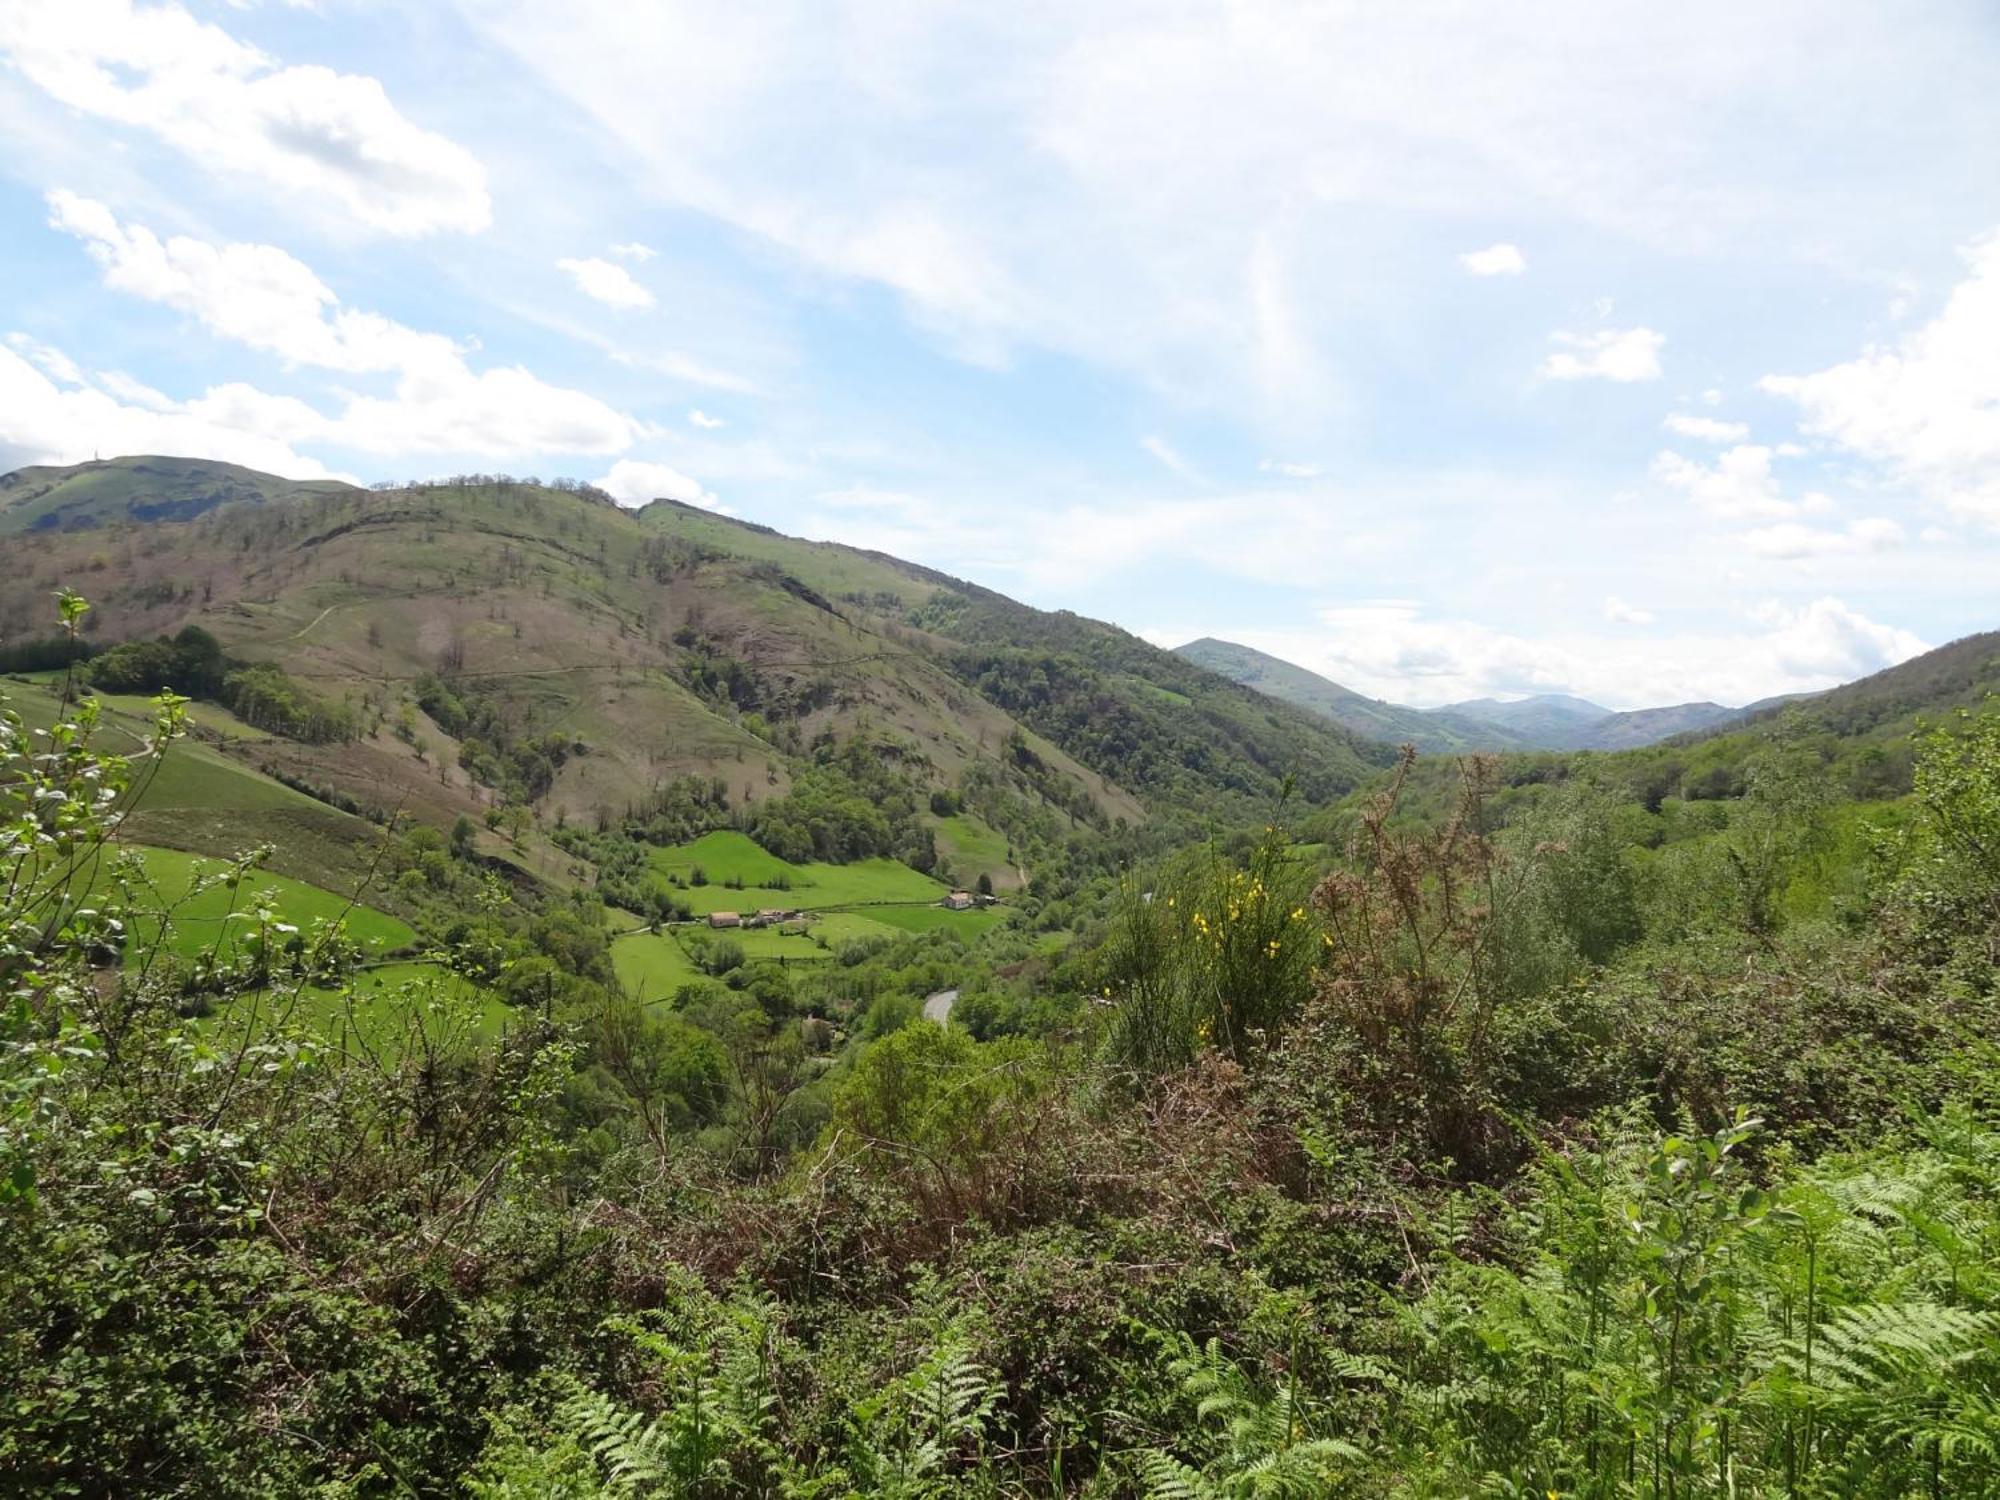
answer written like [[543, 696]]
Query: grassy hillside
[[620, 652], [122, 491], [203, 918], [205, 799]]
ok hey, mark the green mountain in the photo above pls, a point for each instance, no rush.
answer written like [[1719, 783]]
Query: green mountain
[[1550, 721], [464, 625], [1960, 674], [1646, 726], [145, 488], [1439, 731]]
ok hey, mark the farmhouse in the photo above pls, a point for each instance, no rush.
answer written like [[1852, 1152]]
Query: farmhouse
[[958, 900], [725, 919]]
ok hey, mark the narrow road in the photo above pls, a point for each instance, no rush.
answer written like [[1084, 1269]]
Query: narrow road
[[938, 1007], [315, 620]]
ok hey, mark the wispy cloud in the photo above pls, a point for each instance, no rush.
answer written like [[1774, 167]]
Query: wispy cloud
[[1170, 458], [263, 298], [602, 281], [308, 131]]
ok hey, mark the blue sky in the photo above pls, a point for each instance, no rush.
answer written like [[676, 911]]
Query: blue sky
[[1649, 353]]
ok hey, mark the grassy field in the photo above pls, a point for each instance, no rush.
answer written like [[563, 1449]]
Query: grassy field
[[723, 855], [651, 965], [973, 848], [199, 923], [967, 924], [837, 927], [381, 1007], [768, 881]]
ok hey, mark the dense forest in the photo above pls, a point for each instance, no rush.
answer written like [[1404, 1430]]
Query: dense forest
[[1557, 1126]]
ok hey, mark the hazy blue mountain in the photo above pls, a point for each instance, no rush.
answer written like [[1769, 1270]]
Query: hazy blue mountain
[[1435, 731], [1550, 721], [1546, 721]]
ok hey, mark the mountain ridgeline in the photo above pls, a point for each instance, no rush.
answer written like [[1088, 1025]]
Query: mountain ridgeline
[[117, 491], [485, 636], [1545, 721]]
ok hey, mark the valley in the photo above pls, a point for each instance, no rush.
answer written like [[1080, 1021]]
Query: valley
[[651, 942]]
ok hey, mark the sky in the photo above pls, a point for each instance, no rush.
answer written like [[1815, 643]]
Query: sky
[[1649, 353]]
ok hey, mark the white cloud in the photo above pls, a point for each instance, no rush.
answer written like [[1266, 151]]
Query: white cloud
[[604, 282], [1291, 470], [1617, 354], [1793, 540], [1738, 486], [1927, 409], [633, 251], [1170, 458], [635, 482], [57, 365], [322, 137], [125, 388], [1495, 260], [700, 418], [1827, 642], [1619, 612], [43, 422], [260, 296], [1707, 429]]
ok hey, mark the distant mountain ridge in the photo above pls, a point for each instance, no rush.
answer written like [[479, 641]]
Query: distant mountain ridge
[[459, 618], [1549, 721], [1545, 721], [1432, 730], [138, 489]]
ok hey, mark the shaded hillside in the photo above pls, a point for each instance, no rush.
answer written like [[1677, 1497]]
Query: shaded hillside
[[1646, 726], [1390, 722], [1176, 732], [143, 488]]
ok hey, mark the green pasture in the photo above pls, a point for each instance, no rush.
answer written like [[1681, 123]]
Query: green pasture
[[211, 919], [967, 924], [767, 881], [974, 848]]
